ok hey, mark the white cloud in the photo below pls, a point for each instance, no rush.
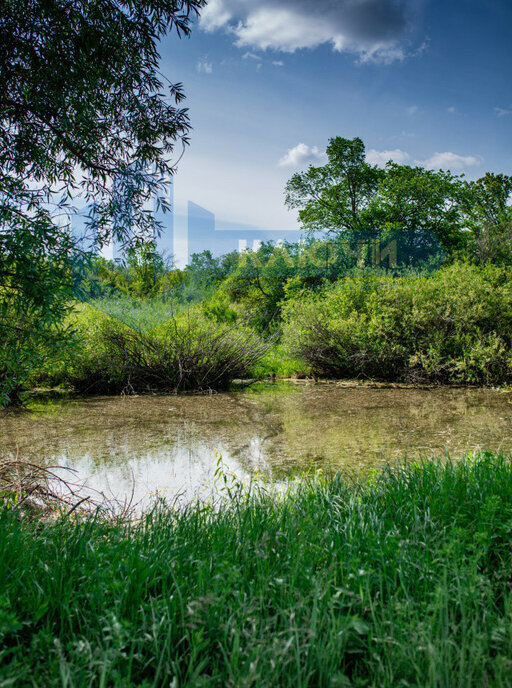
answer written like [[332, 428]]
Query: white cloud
[[412, 110], [373, 29], [380, 158], [204, 67], [278, 63], [284, 30], [250, 56], [450, 161], [302, 155], [452, 110], [215, 15], [503, 112]]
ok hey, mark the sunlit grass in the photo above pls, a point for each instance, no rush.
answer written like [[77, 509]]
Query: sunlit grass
[[401, 581], [277, 361], [142, 315]]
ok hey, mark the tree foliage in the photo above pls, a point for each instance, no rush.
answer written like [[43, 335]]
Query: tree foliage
[[82, 102], [489, 218], [348, 195], [337, 195], [420, 201], [82, 98]]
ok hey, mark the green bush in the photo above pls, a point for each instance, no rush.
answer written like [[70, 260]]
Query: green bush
[[187, 353], [454, 326], [84, 349]]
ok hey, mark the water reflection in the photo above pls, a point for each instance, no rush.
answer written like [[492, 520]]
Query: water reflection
[[171, 444]]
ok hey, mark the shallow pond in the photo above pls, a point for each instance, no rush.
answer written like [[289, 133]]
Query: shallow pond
[[172, 445]]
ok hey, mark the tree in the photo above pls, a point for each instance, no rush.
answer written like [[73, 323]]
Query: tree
[[336, 196], [263, 279], [488, 214], [350, 198], [146, 267], [34, 291], [81, 97], [426, 204], [81, 103]]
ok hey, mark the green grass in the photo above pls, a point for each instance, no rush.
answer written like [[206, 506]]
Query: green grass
[[144, 315], [277, 361], [401, 581]]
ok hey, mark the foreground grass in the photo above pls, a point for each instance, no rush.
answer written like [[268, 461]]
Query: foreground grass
[[404, 581]]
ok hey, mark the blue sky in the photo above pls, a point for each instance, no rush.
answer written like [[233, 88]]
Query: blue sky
[[268, 82]]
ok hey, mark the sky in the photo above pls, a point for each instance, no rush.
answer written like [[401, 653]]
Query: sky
[[269, 82]]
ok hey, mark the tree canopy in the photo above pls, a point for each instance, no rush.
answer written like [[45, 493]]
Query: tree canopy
[[82, 103], [348, 195], [489, 217], [82, 98], [337, 195]]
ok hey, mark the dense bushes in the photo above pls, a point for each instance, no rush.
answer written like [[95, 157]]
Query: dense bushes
[[449, 326], [186, 353], [454, 326], [35, 288], [403, 582]]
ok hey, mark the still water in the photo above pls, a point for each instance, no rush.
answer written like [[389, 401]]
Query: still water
[[171, 445]]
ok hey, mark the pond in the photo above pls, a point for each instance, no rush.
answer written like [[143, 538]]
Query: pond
[[172, 445]]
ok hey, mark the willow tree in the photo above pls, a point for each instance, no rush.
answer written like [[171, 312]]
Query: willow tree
[[82, 102]]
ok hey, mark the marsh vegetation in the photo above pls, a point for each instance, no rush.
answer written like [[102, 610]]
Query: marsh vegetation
[[394, 576], [400, 580]]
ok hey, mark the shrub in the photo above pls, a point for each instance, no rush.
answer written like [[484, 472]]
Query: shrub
[[185, 354], [454, 326]]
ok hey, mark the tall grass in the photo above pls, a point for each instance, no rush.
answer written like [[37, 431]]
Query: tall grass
[[278, 362], [143, 315], [401, 581]]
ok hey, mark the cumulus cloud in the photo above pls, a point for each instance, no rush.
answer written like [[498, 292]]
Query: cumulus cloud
[[373, 29], [204, 67], [302, 155], [278, 63], [380, 158], [450, 161]]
